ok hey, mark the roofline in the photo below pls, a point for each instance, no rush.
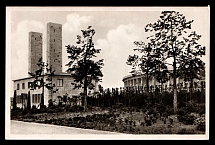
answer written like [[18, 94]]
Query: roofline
[[35, 32], [22, 78], [131, 75], [59, 74], [66, 74]]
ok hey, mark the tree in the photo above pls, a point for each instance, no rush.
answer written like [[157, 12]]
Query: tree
[[168, 37], [148, 61], [14, 100], [29, 101], [82, 67], [39, 81], [190, 69], [162, 76]]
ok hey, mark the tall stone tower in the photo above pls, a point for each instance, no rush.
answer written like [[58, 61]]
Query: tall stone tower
[[35, 51], [54, 46]]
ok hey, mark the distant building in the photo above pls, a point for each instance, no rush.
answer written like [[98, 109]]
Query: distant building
[[61, 80], [139, 81]]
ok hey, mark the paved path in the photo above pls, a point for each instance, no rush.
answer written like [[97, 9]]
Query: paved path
[[26, 128]]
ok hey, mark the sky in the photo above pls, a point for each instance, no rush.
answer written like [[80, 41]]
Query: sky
[[116, 30]]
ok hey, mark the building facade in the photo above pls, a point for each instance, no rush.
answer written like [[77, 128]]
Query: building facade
[[139, 81], [62, 87], [61, 81]]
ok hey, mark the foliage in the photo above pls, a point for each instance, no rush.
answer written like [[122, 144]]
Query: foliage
[[29, 100], [191, 68], [15, 113], [81, 65], [186, 131], [54, 109], [148, 62], [75, 108], [50, 103], [170, 40], [188, 119], [26, 111], [39, 81], [39, 74], [14, 100], [112, 121], [200, 122]]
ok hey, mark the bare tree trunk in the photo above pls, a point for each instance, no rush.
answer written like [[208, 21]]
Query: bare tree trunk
[[147, 83], [191, 90], [85, 93], [174, 87]]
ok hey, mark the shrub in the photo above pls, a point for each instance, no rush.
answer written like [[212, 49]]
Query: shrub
[[76, 108], [153, 111], [15, 113], [170, 111], [54, 109], [171, 120], [43, 109], [89, 118], [50, 103], [201, 126], [181, 112], [200, 109], [161, 108], [26, 111], [186, 131], [200, 122], [188, 119], [88, 125], [148, 122], [33, 111]]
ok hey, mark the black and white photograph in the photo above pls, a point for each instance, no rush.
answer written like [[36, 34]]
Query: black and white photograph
[[107, 73]]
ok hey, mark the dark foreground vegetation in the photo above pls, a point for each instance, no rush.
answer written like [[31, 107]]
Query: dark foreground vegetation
[[143, 114]]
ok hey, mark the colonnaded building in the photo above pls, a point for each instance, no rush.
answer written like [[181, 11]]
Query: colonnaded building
[[138, 81], [60, 80]]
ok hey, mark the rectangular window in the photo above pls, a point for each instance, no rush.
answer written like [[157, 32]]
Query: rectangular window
[[59, 82], [36, 98], [17, 87], [39, 98], [23, 85]]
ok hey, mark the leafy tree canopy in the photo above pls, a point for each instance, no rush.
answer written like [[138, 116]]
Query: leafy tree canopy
[[81, 65]]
